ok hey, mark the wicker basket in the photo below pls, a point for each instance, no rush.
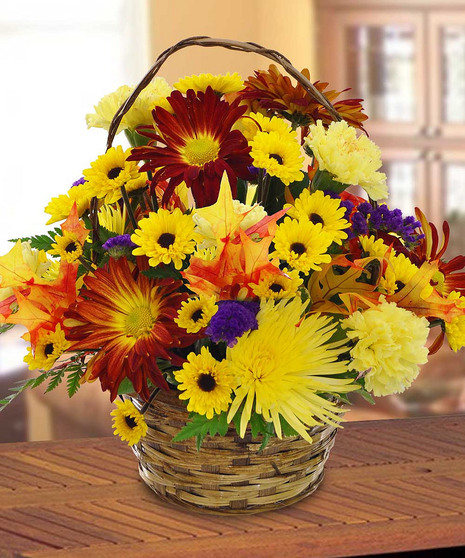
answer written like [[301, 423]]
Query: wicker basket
[[228, 474]]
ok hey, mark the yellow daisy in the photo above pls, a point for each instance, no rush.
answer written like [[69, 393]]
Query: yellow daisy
[[165, 237], [278, 154], [110, 172], [60, 207], [221, 83], [50, 346], [113, 218], [350, 159], [285, 366], [373, 247], [399, 272], [455, 329], [319, 208], [276, 285], [196, 313], [206, 382], [302, 244], [128, 423], [68, 247], [257, 122]]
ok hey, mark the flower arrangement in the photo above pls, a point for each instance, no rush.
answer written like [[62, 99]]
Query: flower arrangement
[[222, 257]]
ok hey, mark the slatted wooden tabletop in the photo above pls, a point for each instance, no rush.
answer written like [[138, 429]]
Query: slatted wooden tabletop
[[390, 486]]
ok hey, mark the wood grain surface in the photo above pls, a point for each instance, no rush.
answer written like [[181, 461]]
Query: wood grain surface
[[390, 486]]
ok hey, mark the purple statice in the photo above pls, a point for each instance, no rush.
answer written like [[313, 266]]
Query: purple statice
[[232, 320], [118, 246], [79, 182]]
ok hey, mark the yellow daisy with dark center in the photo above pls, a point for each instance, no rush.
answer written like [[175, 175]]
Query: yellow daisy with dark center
[[196, 313], [128, 423], [319, 208], [302, 244], [68, 247], [277, 285], [206, 383], [49, 346], [278, 154], [110, 172], [165, 237]]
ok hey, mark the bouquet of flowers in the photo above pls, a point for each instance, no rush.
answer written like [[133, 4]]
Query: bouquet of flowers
[[223, 257]]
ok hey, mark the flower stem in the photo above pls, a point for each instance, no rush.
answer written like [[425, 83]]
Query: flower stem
[[132, 218]]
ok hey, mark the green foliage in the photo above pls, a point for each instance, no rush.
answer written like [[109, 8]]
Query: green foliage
[[5, 327], [72, 382], [22, 386], [126, 387], [41, 241], [200, 426], [56, 378], [241, 190], [162, 272]]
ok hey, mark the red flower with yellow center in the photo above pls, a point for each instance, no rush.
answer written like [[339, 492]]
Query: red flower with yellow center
[[129, 319], [199, 145]]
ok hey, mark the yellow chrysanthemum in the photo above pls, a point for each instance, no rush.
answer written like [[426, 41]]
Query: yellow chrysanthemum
[[275, 285], [141, 111], [128, 423], [455, 329], [399, 272], [256, 122], [206, 382], [285, 365], [196, 313], [254, 214], [110, 172], [68, 247], [221, 83], [50, 346], [390, 344], [53, 271], [349, 159], [165, 237], [113, 218], [302, 244], [373, 247], [278, 154], [319, 208], [60, 207]]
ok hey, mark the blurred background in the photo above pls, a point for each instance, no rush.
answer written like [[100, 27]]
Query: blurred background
[[405, 58]]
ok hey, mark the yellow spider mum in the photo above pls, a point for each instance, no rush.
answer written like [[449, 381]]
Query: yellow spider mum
[[206, 382], [276, 285], [128, 423], [256, 122], [221, 84], [165, 237], [373, 247], [49, 346], [278, 154], [390, 344], [141, 111], [68, 246], [455, 329], [60, 207], [349, 159], [319, 208], [196, 313], [110, 172], [113, 218], [302, 244], [285, 365]]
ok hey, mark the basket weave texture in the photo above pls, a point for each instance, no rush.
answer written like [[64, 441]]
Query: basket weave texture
[[229, 474]]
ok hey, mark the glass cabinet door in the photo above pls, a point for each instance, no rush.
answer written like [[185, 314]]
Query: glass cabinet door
[[381, 59], [447, 72]]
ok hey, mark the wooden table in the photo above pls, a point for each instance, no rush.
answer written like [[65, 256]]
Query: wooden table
[[390, 486]]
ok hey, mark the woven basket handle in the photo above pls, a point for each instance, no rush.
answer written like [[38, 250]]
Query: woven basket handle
[[225, 43]]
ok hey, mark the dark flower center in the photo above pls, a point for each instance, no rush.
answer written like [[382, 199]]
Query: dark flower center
[[131, 422], [276, 288], [399, 285], [206, 382], [165, 240], [197, 315], [48, 349], [315, 219], [72, 247], [298, 248], [114, 173], [276, 157]]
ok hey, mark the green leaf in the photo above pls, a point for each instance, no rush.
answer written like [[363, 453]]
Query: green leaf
[[41, 241], [241, 190], [22, 386], [287, 428], [366, 395], [162, 273], [223, 424], [192, 428], [126, 387], [72, 381], [57, 377], [257, 424], [5, 327], [323, 180]]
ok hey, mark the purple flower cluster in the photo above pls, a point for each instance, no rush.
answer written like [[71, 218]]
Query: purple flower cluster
[[232, 320], [79, 182], [119, 246]]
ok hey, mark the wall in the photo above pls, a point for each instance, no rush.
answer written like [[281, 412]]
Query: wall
[[287, 26]]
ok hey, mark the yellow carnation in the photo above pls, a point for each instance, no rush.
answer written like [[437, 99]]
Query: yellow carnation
[[390, 344], [349, 159], [455, 330], [221, 83]]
